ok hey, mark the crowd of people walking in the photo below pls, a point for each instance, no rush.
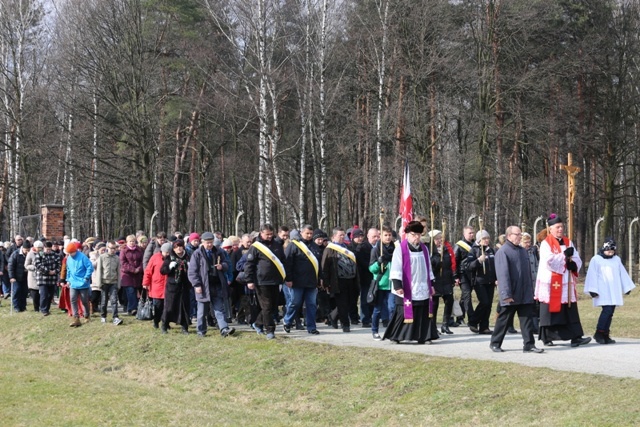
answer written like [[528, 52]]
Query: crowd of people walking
[[286, 279]]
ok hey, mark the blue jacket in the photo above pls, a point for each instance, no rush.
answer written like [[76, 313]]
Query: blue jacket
[[79, 271]]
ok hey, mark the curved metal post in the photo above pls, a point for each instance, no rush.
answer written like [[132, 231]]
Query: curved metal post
[[151, 224], [535, 227], [595, 236], [630, 266], [321, 223], [398, 218], [237, 220], [471, 218]]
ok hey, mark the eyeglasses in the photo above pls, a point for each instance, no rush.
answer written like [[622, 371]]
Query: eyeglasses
[[411, 233]]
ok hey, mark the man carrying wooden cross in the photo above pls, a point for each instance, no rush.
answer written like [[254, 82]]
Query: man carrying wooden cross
[[556, 287]]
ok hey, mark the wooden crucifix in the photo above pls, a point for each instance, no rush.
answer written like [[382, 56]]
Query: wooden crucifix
[[572, 171]]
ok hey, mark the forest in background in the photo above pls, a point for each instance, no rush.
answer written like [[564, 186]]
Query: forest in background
[[296, 111]]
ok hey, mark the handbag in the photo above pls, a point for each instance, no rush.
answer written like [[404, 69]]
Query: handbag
[[145, 307], [373, 289], [457, 310]]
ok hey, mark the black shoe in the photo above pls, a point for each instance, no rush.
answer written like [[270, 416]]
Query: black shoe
[[607, 339], [164, 331], [460, 321], [334, 323], [549, 344], [155, 325], [286, 328], [445, 330], [532, 349], [314, 332], [580, 341], [346, 329], [496, 349], [599, 336], [185, 331], [474, 329], [366, 325], [385, 323], [486, 332], [227, 331], [512, 330]]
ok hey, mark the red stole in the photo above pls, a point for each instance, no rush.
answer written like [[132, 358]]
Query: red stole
[[555, 292]]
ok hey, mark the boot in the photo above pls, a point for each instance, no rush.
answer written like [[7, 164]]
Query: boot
[[75, 323], [600, 337], [607, 339], [445, 329]]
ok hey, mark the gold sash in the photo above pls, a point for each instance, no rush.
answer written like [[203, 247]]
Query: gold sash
[[344, 251], [274, 259], [312, 258]]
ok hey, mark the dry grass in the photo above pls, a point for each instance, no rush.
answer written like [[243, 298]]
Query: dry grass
[[100, 375]]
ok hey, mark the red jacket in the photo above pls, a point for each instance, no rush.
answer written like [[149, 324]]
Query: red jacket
[[152, 277]]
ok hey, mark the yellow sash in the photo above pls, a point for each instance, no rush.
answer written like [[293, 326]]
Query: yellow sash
[[344, 251], [274, 259], [464, 245], [305, 250]]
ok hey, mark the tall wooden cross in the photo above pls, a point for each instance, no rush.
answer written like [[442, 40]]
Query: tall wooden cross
[[572, 171]]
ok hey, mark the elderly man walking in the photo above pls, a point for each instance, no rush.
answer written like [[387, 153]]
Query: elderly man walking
[[515, 292]]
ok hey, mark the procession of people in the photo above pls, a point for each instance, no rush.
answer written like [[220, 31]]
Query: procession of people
[[280, 280]]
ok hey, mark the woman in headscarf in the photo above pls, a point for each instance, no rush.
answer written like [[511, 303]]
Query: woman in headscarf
[[411, 277], [177, 289]]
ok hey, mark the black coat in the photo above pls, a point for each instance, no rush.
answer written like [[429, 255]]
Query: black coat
[[259, 269], [299, 269], [514, 275], [16, 266], [176, 291], [461, 255], [442, 270], [363, 260], [482, 275]]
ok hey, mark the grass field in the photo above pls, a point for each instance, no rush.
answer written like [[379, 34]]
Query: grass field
[[131, 375]]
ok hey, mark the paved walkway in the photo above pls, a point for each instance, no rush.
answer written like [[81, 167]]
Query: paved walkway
[[616, 360]]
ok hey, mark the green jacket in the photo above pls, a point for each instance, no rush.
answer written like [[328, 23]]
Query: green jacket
[[383, 283]]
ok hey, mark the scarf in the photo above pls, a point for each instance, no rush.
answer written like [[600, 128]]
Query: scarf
[[447, 245], [406, 280]]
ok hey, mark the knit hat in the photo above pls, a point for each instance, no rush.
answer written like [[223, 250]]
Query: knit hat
[[166, 247], [434, 233], [317, 234], [194, 236], [207, 236], [227, 243], [71, 248], [414, 227], [26, 244], [38, 244], [143, 239], [48, 244], [609, 244], [357, 232], [553, 219], [481, 235]]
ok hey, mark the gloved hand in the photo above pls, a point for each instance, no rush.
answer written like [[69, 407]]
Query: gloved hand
[[571, 266], [568, 252], [628, 293], [172, 265], [593, 295], [381, 260]]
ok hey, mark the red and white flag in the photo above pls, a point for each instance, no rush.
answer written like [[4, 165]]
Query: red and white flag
[[406, 202]]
